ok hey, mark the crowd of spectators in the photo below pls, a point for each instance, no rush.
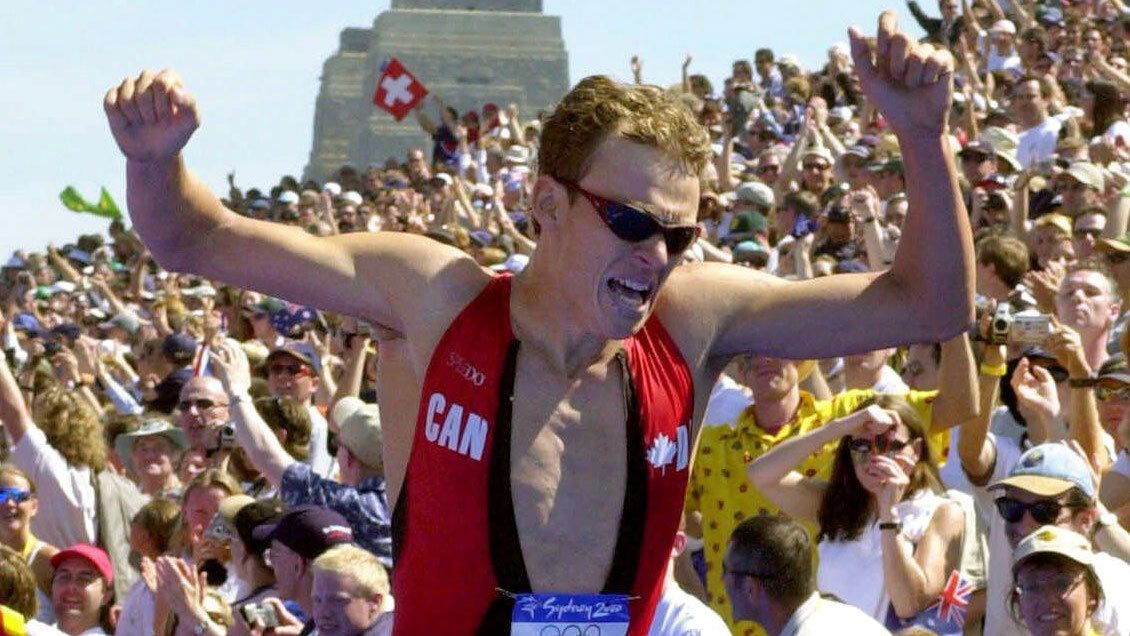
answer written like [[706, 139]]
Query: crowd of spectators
[[185, 457]]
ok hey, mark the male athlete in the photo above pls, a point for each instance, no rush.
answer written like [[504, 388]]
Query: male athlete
[[556, 409]]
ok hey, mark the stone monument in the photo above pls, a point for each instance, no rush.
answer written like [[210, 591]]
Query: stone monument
[[469, 52]]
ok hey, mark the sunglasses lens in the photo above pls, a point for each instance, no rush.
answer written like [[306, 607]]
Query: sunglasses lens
[[630, 224], [1044, 512], [679, 239], [1010, 509]]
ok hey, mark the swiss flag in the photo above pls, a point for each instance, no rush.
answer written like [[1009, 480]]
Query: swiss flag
[[398, 91]]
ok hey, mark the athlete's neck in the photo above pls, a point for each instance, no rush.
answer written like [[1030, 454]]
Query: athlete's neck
[[546, 326]]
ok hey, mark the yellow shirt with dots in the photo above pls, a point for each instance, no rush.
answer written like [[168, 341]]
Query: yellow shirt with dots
[[723, 495]]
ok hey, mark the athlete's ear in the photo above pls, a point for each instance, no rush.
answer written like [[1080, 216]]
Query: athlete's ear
[[551, 199]]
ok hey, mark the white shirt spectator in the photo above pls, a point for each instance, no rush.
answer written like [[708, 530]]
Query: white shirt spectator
[[852, 571], [890, 382], [320, 460], [136, 618], [727, 400], [680, 614], [819, 617], [1038, 142], [67, 492]]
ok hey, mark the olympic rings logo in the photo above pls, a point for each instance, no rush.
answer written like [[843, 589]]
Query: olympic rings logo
[[465, 369]]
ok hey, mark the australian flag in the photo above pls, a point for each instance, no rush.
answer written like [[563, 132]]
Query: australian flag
[[288, 320], [946, 615]]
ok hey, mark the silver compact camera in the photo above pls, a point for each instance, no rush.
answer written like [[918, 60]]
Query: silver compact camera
[[1025, 327]]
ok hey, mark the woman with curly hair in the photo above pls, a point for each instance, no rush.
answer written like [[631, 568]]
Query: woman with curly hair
[[888, 537], [59, 446]]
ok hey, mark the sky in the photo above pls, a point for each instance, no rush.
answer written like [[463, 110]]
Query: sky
[[254, 69]]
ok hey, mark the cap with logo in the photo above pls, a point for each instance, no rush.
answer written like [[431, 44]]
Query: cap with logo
[[308, 531], [1055, 540], [1050, 470]]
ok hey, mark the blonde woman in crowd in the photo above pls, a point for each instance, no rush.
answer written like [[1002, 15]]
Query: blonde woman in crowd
[[18, 506]]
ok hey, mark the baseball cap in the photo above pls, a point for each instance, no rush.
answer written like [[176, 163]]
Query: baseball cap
[[750, 252], [860, 150], [893, 164], [308, 531], [252, 515], [1055, 540], [1049, 470], [1059, 221], [124, 321], [1003, 26], [819, 151], [260, 204], [1087, 173], [1120, 244], [1115, 368], [94, 555], [444, 177], [978, 147], [179, 347], [754, 192], [359, 424], [301, 350], [353, 197], [1049, 16]]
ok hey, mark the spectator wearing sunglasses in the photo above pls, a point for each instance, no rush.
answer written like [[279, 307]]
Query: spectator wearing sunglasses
[[294, 372], [1087, 229], [888, 537], [768, 575], [1112, 390], [1052, 485], [360, 496], [18, 505], [201, 412], [1057, 587]]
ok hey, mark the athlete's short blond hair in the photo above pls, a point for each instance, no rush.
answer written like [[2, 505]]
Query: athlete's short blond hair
[[362, 566], [599, 107]]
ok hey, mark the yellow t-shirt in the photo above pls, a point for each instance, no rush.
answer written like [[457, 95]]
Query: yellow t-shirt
[[722, 493]]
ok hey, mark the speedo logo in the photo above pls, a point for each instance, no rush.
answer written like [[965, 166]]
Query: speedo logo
[[465, 369]]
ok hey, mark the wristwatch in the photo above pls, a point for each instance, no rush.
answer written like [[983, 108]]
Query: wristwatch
[[891, 525], [1084, 382]]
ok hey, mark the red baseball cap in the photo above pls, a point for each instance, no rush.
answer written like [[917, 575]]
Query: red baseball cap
[[95, 555]]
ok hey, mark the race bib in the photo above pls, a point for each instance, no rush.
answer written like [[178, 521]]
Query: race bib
[[570, 615]]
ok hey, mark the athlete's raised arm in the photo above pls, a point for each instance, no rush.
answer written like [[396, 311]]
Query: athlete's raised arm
[[926, 295], [187, 228]]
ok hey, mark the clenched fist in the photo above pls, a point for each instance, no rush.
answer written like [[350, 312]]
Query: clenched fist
[[910, 82], [151, 116]]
